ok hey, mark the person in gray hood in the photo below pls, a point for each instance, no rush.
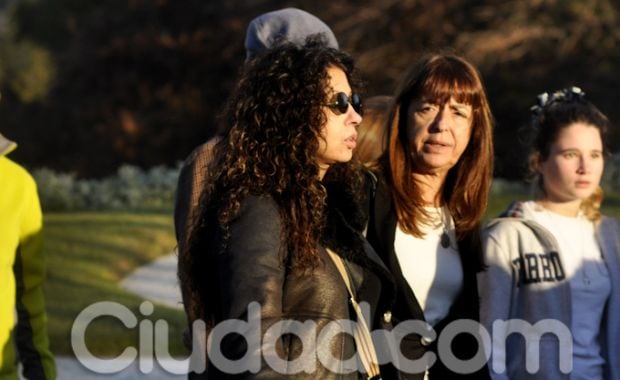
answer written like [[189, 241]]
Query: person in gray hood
[[550, 294]]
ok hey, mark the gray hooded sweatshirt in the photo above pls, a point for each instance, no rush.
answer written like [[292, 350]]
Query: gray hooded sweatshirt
[[524, 281]]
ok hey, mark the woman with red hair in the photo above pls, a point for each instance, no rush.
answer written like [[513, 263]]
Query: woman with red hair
[[432, 192]]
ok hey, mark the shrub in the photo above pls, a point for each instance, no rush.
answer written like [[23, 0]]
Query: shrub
[[611, 176], [153, 189], [131, 188]]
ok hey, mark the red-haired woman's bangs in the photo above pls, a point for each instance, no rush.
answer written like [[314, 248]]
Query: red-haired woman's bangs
[[448, 77]]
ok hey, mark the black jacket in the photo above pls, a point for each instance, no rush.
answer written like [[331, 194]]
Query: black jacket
[[381, 233], [252, 269]]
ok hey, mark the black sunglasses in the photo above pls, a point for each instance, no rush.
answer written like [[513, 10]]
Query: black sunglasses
[[342, 101]]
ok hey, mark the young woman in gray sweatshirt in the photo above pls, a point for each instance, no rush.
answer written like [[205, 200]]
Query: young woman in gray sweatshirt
[[550, 294]]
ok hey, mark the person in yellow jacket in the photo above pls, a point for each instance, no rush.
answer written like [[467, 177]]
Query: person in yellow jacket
[[23, 331]]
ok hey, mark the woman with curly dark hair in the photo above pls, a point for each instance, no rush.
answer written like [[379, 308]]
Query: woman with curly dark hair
[[279, 185]]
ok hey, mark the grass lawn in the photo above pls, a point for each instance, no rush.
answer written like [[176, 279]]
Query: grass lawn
[[499, 202], [88, 255]]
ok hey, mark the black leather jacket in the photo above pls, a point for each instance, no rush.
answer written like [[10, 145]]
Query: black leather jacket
[[252, 270], [381, 232]]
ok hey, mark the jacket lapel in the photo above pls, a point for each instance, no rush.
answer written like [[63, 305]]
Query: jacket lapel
[[384, 221]]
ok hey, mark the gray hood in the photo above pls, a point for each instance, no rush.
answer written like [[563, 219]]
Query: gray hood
[[6, 146], [289, 24]]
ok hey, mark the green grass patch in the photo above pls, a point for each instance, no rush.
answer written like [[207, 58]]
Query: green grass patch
[[499, 202], [88, 254]]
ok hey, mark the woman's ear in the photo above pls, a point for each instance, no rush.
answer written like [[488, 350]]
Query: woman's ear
[[535, 166], [535, 163]]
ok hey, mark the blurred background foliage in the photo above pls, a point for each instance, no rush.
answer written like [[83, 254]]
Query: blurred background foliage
[[90, 85]]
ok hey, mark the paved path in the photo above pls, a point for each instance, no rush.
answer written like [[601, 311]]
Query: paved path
[[71, 369], [156, 282]]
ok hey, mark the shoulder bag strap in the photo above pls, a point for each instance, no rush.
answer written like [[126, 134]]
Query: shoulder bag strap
[[361, 334]]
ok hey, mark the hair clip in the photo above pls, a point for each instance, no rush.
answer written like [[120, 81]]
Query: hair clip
[[564, 95]]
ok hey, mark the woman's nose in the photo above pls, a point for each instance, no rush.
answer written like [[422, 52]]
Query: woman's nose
[[441, 121], [584, 165], [353, 116]]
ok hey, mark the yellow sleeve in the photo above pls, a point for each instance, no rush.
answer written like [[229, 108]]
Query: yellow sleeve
[[29, 267]]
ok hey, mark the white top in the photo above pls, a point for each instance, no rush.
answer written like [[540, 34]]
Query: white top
[[434, 273], [589, 283]]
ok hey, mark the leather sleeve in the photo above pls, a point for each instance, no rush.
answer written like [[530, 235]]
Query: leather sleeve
[[251, 270]]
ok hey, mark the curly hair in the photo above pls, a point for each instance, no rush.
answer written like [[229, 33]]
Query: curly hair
[[274, 119]]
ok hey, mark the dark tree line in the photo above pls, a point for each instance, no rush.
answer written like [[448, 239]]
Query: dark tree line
[[143, 82]]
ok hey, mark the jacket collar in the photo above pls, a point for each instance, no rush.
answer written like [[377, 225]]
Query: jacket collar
[[6, 146], [349, 242], [517, 212], [346, 219]]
